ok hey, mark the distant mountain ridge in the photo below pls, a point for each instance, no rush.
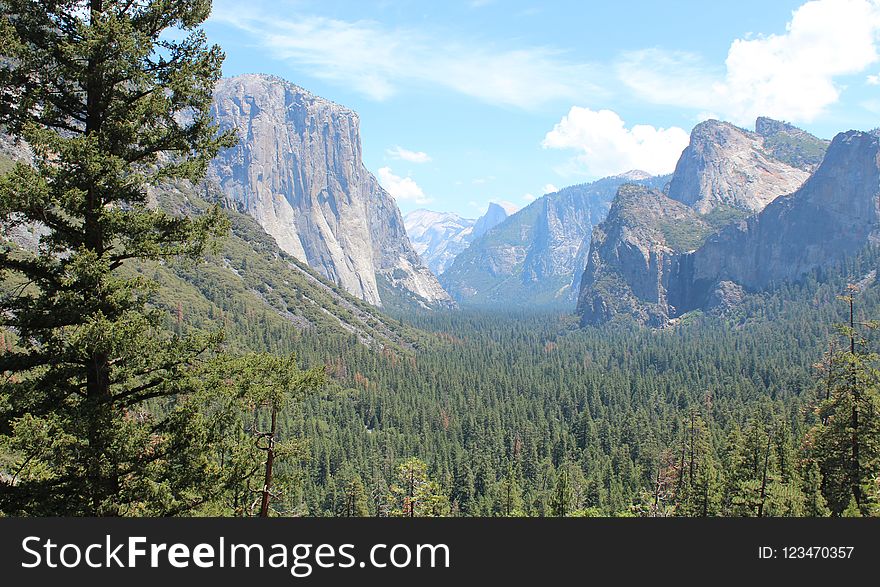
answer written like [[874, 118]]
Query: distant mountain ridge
[[438, 237], [533, 257]]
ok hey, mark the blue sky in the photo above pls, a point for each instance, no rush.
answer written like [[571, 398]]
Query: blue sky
[[463, 102]]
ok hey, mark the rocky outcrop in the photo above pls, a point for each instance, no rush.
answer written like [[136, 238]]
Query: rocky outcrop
[[439, 237], [634, 268], [298, 171], [633, 264], [535, 256], [836, 213], [725, 166]]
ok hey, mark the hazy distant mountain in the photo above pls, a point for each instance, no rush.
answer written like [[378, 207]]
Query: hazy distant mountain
[[495, 215], [438, 237], [298, 171], [535, 256]]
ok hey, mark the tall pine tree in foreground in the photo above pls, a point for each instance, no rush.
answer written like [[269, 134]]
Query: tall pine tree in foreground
[[845, 445], [104, 411]]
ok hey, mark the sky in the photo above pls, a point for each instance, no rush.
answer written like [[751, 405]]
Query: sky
[[464, 102]]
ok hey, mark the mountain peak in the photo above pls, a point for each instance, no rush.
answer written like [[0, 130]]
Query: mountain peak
[[725, 166], [253, 83], [508, 207], [495, 214], [634, 175], [766, 127]]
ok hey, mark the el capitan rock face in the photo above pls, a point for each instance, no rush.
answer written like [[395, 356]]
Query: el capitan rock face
[[726, 166], [298, 171]]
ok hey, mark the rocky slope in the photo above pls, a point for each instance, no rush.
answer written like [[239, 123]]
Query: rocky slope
[[250, 287], [634, 271], [834, 214], [298, 171], [634, 256], [438, 237], [726, 166], [535, 256], [791, 145]]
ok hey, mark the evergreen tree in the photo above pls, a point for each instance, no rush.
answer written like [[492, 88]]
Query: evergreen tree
[[107, 411], [414, 494], [351, 501], [846, 443], [561, 501]]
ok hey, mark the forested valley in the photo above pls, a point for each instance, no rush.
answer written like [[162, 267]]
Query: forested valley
[[528, 414], [162, 355]]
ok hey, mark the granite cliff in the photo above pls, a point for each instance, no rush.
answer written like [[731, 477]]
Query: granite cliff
[[725, 166], [634, 270], [298, 172]]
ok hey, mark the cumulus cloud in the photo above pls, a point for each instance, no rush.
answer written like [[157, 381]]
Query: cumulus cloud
[[873, 80], [528, 197], [550, 188], [790, 75], [399, 152], [607, 147], [377, 60], [402, 188]]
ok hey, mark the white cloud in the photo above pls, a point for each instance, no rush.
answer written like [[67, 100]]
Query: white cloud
[[402, 188], [607, 147], [399, 152], [790, 75], [528, 197], [550, 188], [376, 60], [873, 80]]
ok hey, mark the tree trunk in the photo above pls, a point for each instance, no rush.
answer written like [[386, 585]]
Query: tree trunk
[[270, 459]]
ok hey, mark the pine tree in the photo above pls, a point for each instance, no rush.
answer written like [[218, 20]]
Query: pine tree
[[846, 443], [355, 498], [698, 482], [561, 500], [414, 494], [108, 412], [508, 495]]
